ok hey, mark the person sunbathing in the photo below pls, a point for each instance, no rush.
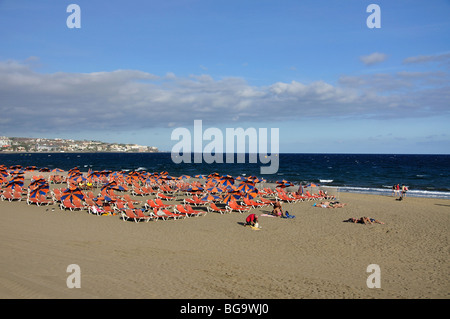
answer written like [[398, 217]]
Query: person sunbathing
[[321, 204], [363, 220], [325, 195], [337, 204], [330, 205], [277, 211]]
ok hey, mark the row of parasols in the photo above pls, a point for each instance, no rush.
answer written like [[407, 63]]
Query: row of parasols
[[213, 186]]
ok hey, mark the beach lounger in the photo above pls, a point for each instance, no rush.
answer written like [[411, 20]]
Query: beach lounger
[[129, 214], [137, 191], [34, 200], [160, 204], [148, 189], [93, 208], [142, 216], [44, 201], [150, 204], [108, 209], [159, 214], [189, 201], [269, 191], [167, 189], [267, 201], [253, 204], [194, 201], [120, 206], [162, 196], [213, 208], [285, 198], [180, 209], [194, 212], [11, 196], [130, 205], [312, 196], [165, 214], [199, 201], [128, 198], [298, 197], [67, 204], [233, 206], [78, 204]]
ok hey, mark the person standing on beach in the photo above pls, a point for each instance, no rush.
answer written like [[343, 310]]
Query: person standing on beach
[[300, 190], [404, 190]]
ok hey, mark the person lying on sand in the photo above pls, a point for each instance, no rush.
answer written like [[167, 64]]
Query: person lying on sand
[[329, 204], [337, 204], [363, 220]]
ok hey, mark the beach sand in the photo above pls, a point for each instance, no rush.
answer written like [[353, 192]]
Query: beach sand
[[315, 255]]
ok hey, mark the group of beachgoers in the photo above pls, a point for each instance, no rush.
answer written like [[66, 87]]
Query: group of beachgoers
[[252, 219], [87, 184], [399, 191]]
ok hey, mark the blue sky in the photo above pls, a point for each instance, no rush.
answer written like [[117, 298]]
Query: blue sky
[[137, 70]]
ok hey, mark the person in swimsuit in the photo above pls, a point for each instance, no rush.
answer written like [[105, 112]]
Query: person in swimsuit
[[329, 205], [277, 211], [404, 190], [363, 220]]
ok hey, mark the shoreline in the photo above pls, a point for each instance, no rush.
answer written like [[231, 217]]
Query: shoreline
[[434, 185], [75, 152], [331, 189]]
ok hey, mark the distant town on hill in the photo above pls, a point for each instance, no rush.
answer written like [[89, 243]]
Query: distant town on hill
[[28, 144]]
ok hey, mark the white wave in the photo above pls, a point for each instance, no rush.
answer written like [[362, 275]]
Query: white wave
[[385, 191], [326, 180]]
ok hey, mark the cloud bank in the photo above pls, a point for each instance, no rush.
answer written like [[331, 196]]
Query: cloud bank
[[124, 99], [373, 58], [443, 58]]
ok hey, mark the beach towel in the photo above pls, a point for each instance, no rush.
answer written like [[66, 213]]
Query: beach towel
[[289, 216], [267, 215]]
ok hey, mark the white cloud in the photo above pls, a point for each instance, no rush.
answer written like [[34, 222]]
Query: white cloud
[[373, 58], [130, 99], [442, 58]]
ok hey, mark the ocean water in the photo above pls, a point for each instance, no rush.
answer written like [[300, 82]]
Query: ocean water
[[425, 175]]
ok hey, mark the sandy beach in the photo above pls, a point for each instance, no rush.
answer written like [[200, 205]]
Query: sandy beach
[[315, 255]]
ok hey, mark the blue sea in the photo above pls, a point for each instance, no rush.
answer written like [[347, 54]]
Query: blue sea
[[425, 175]]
